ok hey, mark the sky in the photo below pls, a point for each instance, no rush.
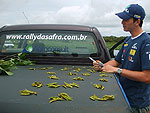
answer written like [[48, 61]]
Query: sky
[[94, 13]]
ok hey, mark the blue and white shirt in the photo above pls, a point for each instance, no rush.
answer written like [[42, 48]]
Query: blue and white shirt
[[135, 55]]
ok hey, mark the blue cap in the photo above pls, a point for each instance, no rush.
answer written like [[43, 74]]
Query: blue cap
[[132, 11]]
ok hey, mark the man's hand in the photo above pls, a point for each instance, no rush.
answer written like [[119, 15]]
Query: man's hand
[[110, 66], [96, 66], [109, 69]]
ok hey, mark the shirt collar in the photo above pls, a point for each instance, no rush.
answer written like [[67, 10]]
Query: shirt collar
[[137, 36]]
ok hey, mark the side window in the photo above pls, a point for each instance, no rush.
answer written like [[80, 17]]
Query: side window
[[50, 42]]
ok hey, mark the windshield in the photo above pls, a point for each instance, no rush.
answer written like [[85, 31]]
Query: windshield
[[49, 42]]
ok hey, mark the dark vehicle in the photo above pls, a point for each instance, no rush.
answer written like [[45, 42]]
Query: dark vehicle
[[62, 50]]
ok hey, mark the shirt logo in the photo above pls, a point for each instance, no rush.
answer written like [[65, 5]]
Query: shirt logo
[[148, 52], [134, 46], [125, 45], [147, 45], [130, 59], [132, 52]]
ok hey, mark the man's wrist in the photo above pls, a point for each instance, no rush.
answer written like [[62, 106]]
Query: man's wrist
[[119, 70]]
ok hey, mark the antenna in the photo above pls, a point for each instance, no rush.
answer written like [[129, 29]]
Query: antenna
[[26, 18]]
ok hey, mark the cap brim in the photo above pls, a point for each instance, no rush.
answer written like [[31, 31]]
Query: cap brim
[[123, 15]]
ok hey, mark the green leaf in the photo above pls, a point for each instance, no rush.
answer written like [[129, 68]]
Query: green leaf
[[7, 72], [7, 65], [1, 69], [22, 55]]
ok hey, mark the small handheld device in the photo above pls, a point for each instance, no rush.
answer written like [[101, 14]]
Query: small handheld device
[[100, 63]]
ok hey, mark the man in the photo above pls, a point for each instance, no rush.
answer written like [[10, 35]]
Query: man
[[133, 59]]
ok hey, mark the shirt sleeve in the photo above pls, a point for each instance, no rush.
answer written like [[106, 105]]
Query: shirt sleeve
[[145, 55], [119, 55]]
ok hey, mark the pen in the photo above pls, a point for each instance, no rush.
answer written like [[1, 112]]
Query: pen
[[100, 63]]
